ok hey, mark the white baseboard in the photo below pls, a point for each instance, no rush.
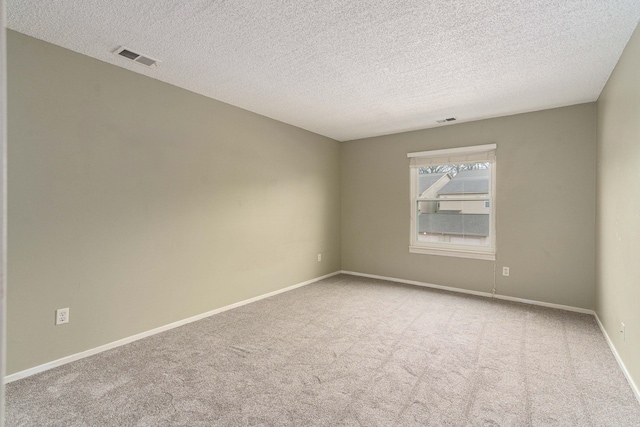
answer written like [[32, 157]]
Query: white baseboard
[[415, 283], [478, 293], [114, 344], [546, 304], [633, 385]]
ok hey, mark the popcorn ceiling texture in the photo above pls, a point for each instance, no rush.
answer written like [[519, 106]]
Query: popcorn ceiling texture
[[352, 69]]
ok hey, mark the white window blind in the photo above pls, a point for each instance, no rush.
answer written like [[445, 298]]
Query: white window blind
[[476, 153]]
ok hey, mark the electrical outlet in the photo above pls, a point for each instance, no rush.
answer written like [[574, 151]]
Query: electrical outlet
[[62, 316], [505, 271], [319, 257], [623, 331]]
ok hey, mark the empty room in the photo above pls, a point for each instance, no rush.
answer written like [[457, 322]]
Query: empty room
[[308, 213]]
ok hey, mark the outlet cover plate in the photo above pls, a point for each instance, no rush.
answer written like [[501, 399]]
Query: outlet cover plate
[[62, 316]]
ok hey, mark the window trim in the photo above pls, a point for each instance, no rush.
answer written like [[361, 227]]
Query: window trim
[[444, 249]]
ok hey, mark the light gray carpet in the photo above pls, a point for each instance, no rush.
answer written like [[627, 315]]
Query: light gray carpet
[[346, 351]]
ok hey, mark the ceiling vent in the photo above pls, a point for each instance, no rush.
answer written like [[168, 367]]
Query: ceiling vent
[[450, 119], [136, 57]]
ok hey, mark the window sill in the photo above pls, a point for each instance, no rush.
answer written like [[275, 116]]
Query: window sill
[[488, 256]]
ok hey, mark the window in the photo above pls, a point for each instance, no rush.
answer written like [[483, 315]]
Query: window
[[452, 202]]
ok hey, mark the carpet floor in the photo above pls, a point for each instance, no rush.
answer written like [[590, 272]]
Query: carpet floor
[[346, 351]]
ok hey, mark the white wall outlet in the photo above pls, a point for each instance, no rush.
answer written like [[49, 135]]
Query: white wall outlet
[[62, 316], [623, 331], [319, 257], [505, 271]]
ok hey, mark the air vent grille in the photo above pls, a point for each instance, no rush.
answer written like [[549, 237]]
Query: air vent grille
[[136, 57], [146, 61], [128, 54]]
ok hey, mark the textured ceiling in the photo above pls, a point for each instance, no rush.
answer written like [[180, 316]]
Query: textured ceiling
[[351, 69]]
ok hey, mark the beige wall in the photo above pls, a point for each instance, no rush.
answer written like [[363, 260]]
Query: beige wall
[[545, 206], [617, 296], [137, 204], [3, 208]]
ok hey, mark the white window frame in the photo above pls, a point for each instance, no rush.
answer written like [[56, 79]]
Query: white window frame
[[476, 153]]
